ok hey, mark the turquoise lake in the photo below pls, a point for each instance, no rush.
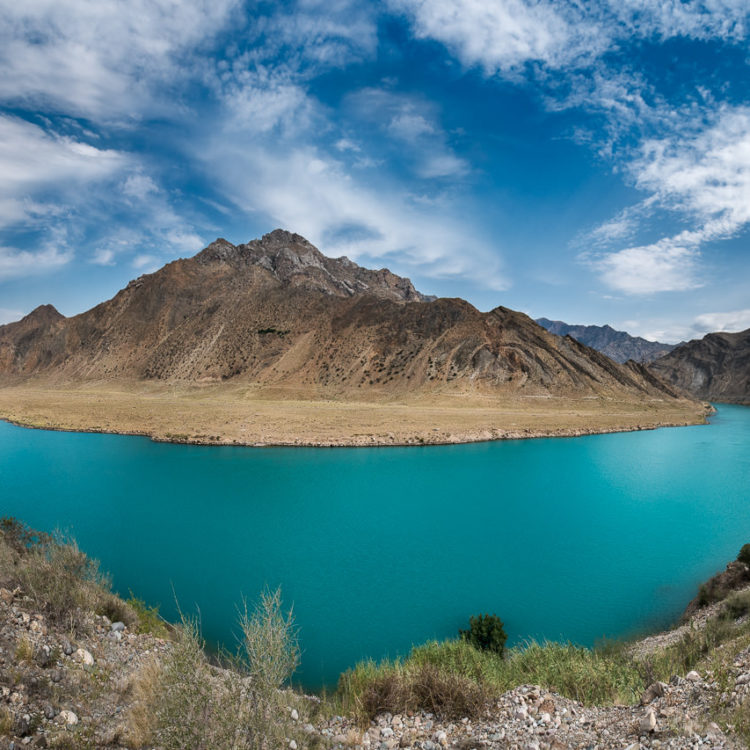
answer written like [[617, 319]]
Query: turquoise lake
[[382, 548]]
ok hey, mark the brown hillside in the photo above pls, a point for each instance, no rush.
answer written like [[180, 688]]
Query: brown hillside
[[716, 367], [277, 312]]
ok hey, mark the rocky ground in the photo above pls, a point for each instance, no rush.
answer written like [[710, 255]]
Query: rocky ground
[[59, 690], [75, 692]]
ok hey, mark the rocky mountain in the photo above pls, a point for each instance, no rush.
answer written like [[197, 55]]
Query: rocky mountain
[[715, 368], [617, 345], [277, 312]]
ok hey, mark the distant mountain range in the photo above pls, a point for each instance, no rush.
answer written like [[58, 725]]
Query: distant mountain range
[[617, 345], [277, 312], [715, 368]]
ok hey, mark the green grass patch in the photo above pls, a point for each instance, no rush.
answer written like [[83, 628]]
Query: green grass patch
[[148, 618]]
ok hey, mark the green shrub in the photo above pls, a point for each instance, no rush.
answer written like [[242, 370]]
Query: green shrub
[[148, 619], [485, 633], [744, 556], [460, 679], [736, 606]]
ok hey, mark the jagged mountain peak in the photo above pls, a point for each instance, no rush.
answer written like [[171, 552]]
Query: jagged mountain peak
[[295, 261]]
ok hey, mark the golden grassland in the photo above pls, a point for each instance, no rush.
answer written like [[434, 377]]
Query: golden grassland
[[248, 415]]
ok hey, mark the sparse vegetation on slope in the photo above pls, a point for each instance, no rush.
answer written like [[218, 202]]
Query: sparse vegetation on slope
[[76, 679]]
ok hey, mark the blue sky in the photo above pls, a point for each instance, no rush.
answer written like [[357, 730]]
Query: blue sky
[[586, 161]]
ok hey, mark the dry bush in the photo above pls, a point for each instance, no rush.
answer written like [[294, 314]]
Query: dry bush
[[184, 702], [6, 722], [140, 721], [269, 656], [446, 694], [423, 687], [65, 584], [24, 649], [187, 710]]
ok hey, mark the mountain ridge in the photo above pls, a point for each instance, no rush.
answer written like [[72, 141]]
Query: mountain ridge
[[276, 310], [271, 342], [617, 345], [715, 368]]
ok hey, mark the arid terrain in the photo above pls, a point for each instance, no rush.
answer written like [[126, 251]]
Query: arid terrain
[[272, 342], [716, 367], [221, 415]]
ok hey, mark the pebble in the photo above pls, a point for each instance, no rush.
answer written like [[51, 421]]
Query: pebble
[[84, 656], [648, 721], [68, 717]]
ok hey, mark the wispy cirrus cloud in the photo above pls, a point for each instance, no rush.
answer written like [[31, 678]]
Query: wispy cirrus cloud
[[704, 179], [319, 196]]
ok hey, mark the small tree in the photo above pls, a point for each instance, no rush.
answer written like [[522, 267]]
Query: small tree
[[744, 555], [485, 633]]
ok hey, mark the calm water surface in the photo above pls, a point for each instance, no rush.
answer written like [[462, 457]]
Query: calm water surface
[[574, 538]]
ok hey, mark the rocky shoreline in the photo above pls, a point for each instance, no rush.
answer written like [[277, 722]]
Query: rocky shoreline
[[483, 436]]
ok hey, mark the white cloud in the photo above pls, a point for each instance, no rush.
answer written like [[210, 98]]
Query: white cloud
[[15, 263], [409, 126], [672, 331], [139, 186], [707, 175], [409, 121], [307, 192], [33, 160], [705, 179], [145, 263], [665, 266], [736, 320], [43, 176], [696, 19], [344, 144], [260, 99], [104, 256], [321, 33], [99, 58], [503, 35]]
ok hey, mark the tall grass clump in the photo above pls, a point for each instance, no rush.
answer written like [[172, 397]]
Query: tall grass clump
[[65, 584], [269, 656], [184, 701]]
